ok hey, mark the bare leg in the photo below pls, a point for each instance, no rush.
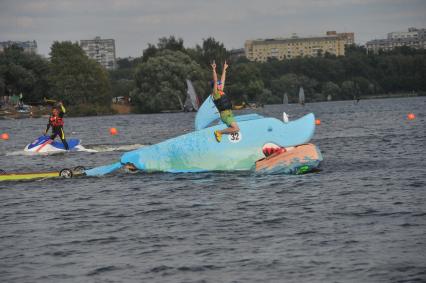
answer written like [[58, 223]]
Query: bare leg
[[232, 129]]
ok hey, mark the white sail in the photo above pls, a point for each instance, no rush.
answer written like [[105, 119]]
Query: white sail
[[301, 96], [191, 102], [285, 98]]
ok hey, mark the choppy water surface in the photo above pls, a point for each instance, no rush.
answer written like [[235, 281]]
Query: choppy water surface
[[362, 219]]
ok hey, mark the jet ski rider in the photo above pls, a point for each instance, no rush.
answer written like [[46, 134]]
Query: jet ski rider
[[56, 121], [223, 104]]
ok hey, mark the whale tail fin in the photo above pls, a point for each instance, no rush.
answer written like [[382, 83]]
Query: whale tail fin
[[103, 170]]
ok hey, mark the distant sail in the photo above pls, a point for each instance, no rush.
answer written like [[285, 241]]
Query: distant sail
[[285, 98], [329, 97], [301, 96], [191, 102]]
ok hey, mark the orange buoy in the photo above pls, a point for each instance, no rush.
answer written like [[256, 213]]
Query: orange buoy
[[5, 136], [411, 116], [113, 131], [317, 122]]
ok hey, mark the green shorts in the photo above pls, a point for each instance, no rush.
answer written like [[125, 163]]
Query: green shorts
[[227, 117]]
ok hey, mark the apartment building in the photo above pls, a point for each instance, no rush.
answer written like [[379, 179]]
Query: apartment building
[[288, 48], [28, 46], [101, 50], [415, 38]]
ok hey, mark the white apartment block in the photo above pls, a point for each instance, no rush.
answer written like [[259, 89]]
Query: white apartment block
[[28, 46], [101, 50], [414, 38]]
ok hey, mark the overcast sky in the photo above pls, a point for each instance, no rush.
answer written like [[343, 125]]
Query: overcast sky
[[135, 23]]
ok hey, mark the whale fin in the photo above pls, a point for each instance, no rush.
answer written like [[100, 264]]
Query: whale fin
[[103, 170]]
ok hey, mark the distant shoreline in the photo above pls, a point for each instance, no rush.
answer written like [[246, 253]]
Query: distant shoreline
[[13, 114], [393, 95]]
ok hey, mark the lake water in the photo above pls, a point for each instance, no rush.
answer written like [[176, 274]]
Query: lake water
[[361, 219]]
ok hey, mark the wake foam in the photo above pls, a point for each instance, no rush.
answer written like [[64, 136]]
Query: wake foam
[[80, 148]]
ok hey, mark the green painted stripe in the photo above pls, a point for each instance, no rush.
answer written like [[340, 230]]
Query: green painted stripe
[[27, 176]]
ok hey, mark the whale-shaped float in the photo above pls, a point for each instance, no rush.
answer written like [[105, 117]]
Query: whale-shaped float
[[199, 151]]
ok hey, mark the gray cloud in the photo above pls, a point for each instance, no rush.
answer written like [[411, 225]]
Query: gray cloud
[[134, 24]]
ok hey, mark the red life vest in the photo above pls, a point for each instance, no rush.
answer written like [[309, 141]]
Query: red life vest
[[56, 121]]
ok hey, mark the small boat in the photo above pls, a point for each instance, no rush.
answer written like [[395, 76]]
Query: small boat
[[44, 144], [191, 103], [285, 98]]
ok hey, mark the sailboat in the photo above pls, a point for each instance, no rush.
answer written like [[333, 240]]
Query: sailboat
[[301, 96], [285, 98], [329, 98], [191, 102]]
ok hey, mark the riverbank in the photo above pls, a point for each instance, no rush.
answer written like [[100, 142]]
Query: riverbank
[[394, 95], [124, 109]]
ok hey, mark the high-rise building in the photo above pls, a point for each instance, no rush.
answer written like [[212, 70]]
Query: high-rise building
[[237, 53], [348, 37], [415, 38], [28, 46], [101, 50], [288, 48]]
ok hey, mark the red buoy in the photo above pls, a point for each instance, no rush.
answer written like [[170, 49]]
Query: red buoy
[[411, 116], [113, 131]]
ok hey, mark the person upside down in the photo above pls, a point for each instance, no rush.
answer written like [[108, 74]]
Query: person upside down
[[56, 121], [223, 104]]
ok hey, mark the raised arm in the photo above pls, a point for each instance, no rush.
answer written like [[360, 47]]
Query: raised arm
[[63, 110], [222, 79], [214, 78]]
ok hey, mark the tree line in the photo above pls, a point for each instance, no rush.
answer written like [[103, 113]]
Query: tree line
[[155, 81], [69, 76]]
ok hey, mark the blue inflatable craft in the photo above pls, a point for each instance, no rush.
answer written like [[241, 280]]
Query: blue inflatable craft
[[199, 151]]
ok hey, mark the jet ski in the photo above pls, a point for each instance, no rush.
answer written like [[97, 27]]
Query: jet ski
[[199, 151], [44, 144]]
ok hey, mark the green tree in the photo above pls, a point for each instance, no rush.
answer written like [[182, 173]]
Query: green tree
[[161, 81], [287, 83], [349, 90], [164, 43], [332, 89], [78, 80], [122, 87], [24, 73], [291, 83], [244, 82], [210, 50]]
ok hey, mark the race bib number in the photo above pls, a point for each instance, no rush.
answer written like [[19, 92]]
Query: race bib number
[[235, 137]]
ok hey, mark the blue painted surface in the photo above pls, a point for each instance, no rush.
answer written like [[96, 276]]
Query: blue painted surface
[[206, 114], [245, 118], [199, 151], [57, 144], [102, 170]]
